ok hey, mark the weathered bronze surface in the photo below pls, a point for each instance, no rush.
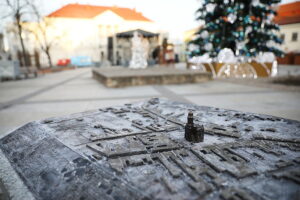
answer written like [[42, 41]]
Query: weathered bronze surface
[[139, 151]]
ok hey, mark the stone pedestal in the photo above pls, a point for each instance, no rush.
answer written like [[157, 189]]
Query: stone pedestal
[[123, 77]]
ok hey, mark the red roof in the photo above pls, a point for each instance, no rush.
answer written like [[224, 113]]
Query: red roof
[[288, 14], [89, 11]]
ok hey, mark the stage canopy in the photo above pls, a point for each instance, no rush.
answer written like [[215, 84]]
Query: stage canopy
[[128, 34]]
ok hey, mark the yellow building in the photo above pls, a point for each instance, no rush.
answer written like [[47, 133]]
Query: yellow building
[[86, 30]]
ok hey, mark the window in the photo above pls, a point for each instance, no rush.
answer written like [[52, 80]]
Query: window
[[294, 36], [282, 36], [108, 30], [116, 28], [101, 30]]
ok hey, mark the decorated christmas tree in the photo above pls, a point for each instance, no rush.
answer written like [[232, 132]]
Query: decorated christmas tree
[[244, 26]]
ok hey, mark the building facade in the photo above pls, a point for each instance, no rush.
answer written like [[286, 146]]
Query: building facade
[[91, 30], [288, 19], [77, 30]]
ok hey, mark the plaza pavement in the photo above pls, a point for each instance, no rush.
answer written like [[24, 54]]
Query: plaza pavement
[[74, 91]]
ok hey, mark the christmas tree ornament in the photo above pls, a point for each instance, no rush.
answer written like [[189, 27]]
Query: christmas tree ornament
[[270, 43], [231, 18], [208, 46], [271, 16], [255, 2], [240, 45], [192, 47], [210, 7], [204, 34]]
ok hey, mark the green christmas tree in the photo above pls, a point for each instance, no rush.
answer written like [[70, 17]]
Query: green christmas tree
[[244, 26]]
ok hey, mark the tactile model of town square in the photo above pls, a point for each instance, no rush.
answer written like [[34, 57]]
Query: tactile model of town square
[[158, 149]]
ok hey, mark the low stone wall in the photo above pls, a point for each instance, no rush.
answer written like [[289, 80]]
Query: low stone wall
[[123, 77], [55, 69]]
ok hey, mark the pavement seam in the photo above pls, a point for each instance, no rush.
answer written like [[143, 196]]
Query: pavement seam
[[40, 91], [233, 93], [170, 94], [150, 96], [89, 99]]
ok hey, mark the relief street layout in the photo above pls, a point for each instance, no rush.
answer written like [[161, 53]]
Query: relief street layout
[[138, 151]]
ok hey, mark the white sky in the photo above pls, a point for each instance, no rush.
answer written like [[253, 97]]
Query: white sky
[[175, 16]]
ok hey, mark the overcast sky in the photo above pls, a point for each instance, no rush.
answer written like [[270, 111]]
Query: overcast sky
[[175, 16]]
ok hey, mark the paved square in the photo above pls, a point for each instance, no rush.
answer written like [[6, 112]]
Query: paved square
[[74, 91]]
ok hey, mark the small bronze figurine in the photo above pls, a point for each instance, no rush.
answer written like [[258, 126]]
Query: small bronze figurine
[[193, 133]]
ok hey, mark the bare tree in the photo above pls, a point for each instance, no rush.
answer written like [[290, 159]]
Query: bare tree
[[17, 9], [42, 31]]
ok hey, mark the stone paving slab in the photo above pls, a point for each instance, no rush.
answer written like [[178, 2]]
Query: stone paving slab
[[284, 104], [212, 87], [82, 91], [76, 91]]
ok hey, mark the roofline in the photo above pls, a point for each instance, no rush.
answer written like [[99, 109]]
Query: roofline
[[288, 13], [108, 8], [289, 23]]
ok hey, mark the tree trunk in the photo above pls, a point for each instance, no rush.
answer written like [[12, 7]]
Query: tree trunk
[[18, 20], [49, 58], [37, 59]]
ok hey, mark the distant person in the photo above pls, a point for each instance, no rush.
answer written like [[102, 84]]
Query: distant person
[[155, 54], [119, 59], [102, 56], [176, 58], [169, 57]]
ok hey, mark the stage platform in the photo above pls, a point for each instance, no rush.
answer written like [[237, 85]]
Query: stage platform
[[115, 77]]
